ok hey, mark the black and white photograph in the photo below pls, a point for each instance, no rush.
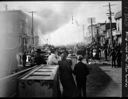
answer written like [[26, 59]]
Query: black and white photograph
[[63, 49]]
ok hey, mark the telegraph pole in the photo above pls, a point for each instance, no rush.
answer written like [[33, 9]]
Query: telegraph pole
[[92, 28], [110, 20], [32, 29], [23, 35], [83, 30], [91, 21]]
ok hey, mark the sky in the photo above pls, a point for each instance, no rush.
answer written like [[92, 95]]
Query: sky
[[61, 22]]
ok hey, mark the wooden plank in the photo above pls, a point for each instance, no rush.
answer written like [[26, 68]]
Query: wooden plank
[[44, 77], [31, 72], [42, 73], [15, 74]]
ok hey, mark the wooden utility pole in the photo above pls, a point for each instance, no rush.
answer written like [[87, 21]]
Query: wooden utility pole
[[91, 21], [23, 33], [32, 29], [92, 28], [110, 20], [83, 30]]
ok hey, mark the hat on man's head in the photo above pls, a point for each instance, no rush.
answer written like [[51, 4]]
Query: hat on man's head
[[69, 56], [52, 50], [79, 57], [38, 50]]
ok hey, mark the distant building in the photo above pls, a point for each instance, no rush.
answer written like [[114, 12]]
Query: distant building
[[101, 32], [104, 32], [92, 30]]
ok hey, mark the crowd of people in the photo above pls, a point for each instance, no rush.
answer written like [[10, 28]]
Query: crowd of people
[[116, 56], [107, 53], [73, 87], [66, 72], [73, 80]]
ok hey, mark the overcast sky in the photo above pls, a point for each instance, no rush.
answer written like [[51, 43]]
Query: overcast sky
[[55, 18]]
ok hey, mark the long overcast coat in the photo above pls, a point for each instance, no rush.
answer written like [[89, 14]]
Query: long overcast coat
[[66, 78], [81, 71]]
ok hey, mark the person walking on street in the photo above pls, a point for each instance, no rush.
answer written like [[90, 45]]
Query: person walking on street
[[105, 52], [87, 56], [81, 71], [113, 55], [24, 57], [118, 58], [66, 77], [99, 53]]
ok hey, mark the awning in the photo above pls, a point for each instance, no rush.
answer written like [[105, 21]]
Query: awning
[[118, 15], [114, 33]]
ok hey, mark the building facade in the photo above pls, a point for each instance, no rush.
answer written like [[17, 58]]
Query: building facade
[[105, 33], [93, 31], [118, 31]]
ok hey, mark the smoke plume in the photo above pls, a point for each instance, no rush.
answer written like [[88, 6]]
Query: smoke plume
[[48, 20]]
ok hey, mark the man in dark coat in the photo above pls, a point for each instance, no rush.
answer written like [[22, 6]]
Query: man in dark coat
[[66, 77], [113, 55], [105, 52], [118, 57], [24, 57], [87, 55], [81, 71]]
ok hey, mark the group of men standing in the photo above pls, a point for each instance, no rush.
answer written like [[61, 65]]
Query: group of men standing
[[73, 80], [71, 87], [116, 56]]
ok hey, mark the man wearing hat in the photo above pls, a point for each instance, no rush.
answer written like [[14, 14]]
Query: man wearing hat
[[113, 55], [39, 59], [66, 77], [81, 71], [52, 59]]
